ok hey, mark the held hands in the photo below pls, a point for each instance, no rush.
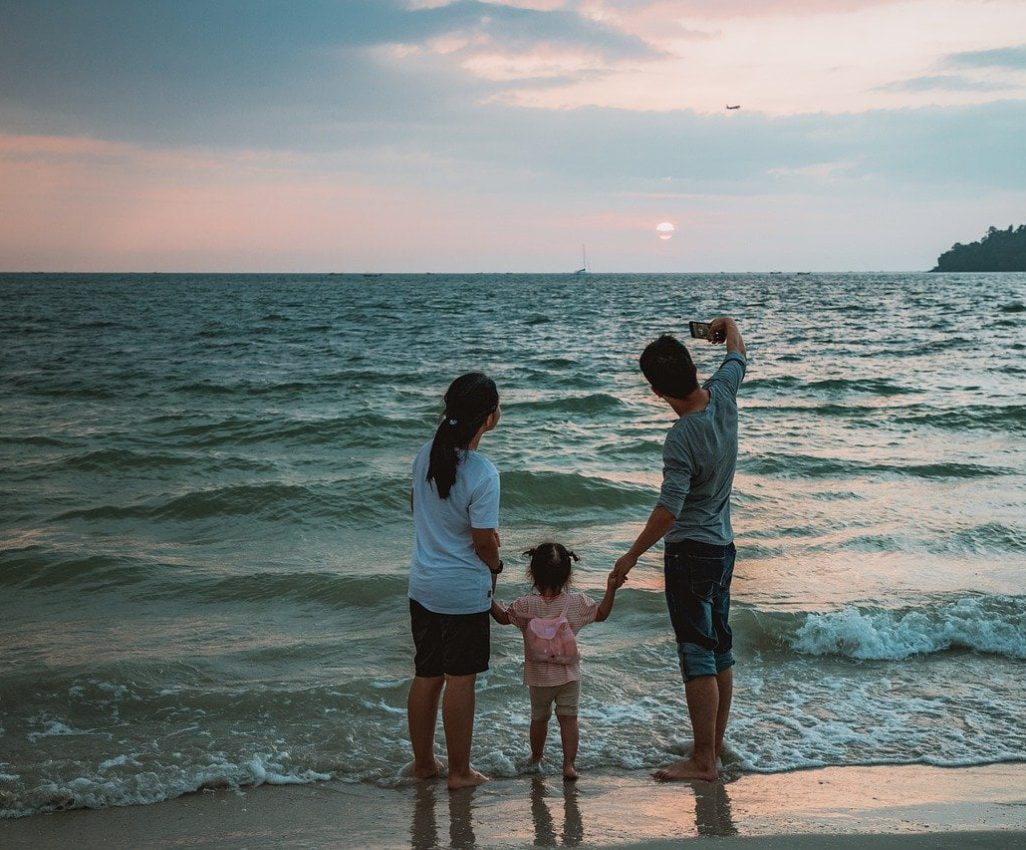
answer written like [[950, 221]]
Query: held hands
[[623, 566]]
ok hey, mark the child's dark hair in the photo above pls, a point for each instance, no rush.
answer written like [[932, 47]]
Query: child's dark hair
[[550, 567]]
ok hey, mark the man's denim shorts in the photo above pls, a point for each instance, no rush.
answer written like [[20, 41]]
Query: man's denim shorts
[[698, 595]]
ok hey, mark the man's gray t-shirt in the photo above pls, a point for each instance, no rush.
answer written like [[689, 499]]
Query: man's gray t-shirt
[[699, 457]]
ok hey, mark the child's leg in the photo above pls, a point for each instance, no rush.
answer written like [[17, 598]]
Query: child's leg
[[567, 698], [569, 733], [541, 711], [539, 732]]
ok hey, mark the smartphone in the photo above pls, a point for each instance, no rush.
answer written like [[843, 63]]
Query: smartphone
[[700, 330]]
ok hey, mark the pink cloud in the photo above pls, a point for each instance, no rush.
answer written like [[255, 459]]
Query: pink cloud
[[718, 9]]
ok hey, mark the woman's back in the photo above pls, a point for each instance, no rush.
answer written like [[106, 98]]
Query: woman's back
[[446, 574]]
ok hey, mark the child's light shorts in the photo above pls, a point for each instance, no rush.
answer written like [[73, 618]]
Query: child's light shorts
[[565, 696]]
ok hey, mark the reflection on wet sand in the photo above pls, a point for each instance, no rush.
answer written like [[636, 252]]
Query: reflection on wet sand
[[424, 827], [544, 826], [461, 826], [712, 809], [665, 810]]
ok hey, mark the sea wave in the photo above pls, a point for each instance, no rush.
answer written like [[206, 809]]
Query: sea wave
[[1009, 417], [795, 465], [831, 386], [526, 493], [991, 624], [348, 503], [592, 404], [363, 430], [104, 788]]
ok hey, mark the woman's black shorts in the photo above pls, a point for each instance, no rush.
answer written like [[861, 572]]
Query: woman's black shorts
[[449, 644]]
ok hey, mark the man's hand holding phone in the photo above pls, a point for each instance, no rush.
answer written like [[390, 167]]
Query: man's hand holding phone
[[708, 330]]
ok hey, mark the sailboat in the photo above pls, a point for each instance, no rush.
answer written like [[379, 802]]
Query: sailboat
[[584, 262]]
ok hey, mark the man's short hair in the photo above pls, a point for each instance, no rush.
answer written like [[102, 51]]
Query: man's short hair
[[668, 367]]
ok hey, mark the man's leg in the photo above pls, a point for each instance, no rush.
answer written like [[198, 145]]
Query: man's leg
[[725, 687], [724, 643], [422, 716], [694, 574], [458, 720], [703, 704]]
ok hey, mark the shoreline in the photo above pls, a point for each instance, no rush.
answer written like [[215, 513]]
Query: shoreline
[[842, 807]]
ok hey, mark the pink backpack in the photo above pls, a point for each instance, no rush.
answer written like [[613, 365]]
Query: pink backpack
[[550, 640]]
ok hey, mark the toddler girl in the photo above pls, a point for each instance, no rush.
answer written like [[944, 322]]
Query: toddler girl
[[552, 669]]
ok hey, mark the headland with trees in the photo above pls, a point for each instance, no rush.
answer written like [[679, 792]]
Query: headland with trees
[[997, 251]]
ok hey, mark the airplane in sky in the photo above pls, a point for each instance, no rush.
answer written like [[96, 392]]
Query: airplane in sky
[[733, 107]]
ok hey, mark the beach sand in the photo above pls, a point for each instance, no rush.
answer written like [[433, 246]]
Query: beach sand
[[869, 807]]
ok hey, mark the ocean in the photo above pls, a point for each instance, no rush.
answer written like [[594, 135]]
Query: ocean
[[206, 529]]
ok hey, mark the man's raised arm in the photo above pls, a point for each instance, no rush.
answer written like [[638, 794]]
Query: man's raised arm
[[726, 327]]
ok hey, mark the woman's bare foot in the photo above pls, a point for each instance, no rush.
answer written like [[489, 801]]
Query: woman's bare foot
[[682, 771], [569, 773], [466, 780], [425, 771]]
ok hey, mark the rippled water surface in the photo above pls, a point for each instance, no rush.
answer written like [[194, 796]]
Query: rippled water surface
[[205, 524]]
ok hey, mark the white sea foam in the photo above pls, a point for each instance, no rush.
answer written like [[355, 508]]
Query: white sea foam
[[148, 786], [119, 761], [52, 728], [988, 625]]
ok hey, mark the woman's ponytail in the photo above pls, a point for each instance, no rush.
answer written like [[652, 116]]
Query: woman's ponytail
[[470, 399]]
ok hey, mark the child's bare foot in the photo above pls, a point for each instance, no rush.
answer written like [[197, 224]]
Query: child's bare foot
[[466, 780], [682, 771], [569, 773]]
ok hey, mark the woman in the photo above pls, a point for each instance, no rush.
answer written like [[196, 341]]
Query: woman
[[455, 562]]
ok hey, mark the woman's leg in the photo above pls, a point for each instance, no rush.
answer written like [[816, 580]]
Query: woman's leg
[[422, 716], [458, 720]]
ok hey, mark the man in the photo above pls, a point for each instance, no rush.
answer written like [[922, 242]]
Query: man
[[693, 512]]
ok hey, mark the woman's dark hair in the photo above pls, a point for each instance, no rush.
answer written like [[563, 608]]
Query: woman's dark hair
[[550, 566], [668, 367], [470, 399]]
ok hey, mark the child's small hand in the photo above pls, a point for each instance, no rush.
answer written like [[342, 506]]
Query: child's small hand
[[613, 581]]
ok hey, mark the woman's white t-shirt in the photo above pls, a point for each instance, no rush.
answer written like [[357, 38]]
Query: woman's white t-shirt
[[446, 576]]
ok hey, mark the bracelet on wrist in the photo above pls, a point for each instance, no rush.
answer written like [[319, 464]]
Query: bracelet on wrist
[[495, 571]]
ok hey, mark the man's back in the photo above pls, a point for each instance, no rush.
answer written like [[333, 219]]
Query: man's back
[[699, 458]]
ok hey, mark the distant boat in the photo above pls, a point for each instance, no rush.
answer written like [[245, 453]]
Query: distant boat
[[802, 273], [584, 262], [373, 274], [738, 106]]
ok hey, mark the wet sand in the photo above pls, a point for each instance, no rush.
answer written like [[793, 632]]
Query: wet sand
[[872, 807]]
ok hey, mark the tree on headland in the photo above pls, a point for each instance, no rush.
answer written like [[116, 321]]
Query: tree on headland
[[997, 251]]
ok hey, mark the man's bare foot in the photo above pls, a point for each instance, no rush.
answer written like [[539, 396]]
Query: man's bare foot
[[426, 771], [569, 773], [466, 780], [682, 771]]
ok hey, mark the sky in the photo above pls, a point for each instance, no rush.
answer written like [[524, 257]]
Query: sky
[[467, 136]]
